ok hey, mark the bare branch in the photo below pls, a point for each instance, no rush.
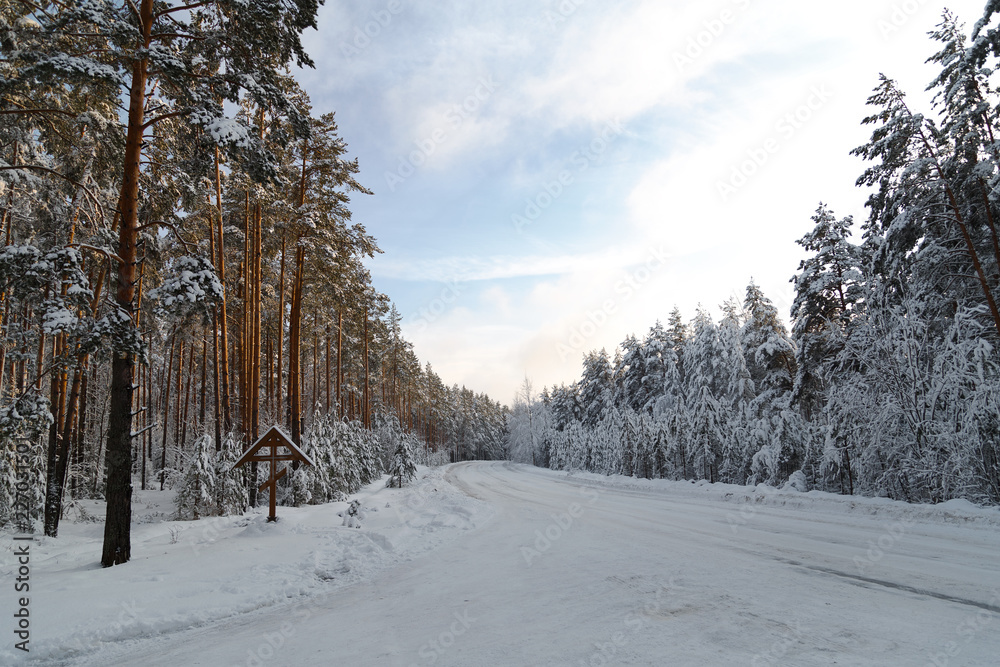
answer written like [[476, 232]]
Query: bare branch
[[157, 119], [104, 251], [31, 111], [172, 227], [66, 178], [182, 8]]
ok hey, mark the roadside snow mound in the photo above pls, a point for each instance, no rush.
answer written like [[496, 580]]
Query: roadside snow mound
[[188, 573], [792, 496]]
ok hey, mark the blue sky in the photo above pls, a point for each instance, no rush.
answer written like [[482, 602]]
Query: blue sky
[[551, 176]]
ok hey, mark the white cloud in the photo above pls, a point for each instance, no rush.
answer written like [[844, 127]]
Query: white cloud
[[619, 65], [688, 128], [483, 268]]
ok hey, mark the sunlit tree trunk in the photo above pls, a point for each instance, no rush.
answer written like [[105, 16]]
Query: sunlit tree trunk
[[223, 321], [117, 537]]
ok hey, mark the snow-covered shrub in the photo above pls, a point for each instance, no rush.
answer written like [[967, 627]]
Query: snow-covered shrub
[[22, 480], [796, 482], [22, 461], [170, 477], [301, 491], [780, 436], [353, 514]]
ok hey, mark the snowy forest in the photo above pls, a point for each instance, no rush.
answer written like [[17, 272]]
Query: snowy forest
[[217, 217], [887, 384], [180, 270]]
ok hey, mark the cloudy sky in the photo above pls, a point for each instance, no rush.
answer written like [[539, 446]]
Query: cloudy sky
[[552, 175]]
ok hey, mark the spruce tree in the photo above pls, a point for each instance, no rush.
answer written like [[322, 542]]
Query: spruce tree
[[231, 495], [402, 468], [196, 496]]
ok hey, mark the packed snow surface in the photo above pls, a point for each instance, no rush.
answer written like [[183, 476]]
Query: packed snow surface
[[502, 564]]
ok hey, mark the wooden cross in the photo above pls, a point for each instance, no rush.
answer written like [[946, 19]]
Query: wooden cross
[[273, 440]]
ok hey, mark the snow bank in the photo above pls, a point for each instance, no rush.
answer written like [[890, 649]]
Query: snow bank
[[953, 511], [187, 573]]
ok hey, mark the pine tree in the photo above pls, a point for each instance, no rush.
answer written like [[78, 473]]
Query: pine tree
[[662, 380], [565, 404], [737, 386], [369, 459], [629, 371], [828, 293], [344, 475], [930, 220], [769, 352], [596, 388], [678, 333], [736, 399], [780, 446], [192, 56]]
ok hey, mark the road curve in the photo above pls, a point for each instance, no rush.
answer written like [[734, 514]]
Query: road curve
[[573, 572]]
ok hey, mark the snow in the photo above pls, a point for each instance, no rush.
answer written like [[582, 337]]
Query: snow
[[228, 131], [58, 319], [85, 67], [503, 564], [188, 573]]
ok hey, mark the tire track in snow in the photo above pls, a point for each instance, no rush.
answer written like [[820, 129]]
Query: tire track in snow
[[860, 580]]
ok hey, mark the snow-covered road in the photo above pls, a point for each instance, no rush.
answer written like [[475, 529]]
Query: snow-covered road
[[576, 570]]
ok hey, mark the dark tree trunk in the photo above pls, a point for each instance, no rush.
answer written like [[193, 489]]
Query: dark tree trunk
[[366, 415], [340, 365], [204, 383], [117, 525], [280, 418], [166, 414], [223, 323], [294, 349]]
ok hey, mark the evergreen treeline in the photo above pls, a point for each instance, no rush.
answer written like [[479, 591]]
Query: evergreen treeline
[[179, 268], [888, 383]]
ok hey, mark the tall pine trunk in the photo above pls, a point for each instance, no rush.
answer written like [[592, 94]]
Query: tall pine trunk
[[223, 321], [280, 418], [165, 393], [366, 395], [340, 365], [294, 348], [117, 536]]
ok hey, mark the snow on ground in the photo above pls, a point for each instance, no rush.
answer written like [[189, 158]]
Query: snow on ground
[[500, 564], [188, 573], [953, 511]]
